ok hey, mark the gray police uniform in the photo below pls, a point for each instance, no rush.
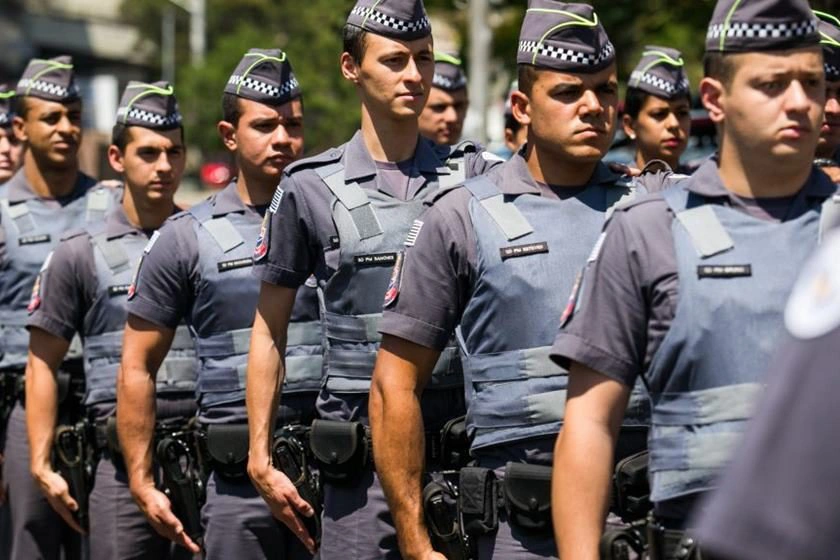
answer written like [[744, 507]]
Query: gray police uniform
[[343, 218], [84, 290], [780, 497], [199, 271]]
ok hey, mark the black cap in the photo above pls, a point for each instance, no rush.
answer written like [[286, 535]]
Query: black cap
[[660, 72], [564, 37], [51, 79], [761, 25], [265, 76], [149, 105], [829, 28], [7, 97], [405, 20], [449, 73]]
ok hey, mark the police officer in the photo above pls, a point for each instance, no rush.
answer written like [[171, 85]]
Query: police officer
[[11, 149], [83, 288], [497, 258], [46, 198], [198, 270], [442, 119], [780, 497], [830, 132], [657, 107], [343, 216], [687, 286]]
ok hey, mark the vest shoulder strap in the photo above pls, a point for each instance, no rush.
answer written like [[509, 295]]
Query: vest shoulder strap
[[98, 200], [112, 251], [20, 214], [223, 232], [506, 215], [353, 197], [707, 234], [830, 215]]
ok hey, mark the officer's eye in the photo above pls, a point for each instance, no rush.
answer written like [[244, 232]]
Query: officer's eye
[[608, 89]]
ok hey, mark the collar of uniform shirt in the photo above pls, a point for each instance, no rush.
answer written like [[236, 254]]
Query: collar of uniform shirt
[[706, 182], [117, 224], [20, 190], [227, 201], [517, 178], [358, 163]]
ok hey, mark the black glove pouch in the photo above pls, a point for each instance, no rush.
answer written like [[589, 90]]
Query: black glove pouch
[[227, 449], [342, 450], [527, 492]]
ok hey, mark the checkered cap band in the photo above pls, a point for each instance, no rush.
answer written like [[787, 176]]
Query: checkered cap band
[[832, 72], [447, 83], [567, 55], [48, 88], [269, 90], [398, 25], [656, 82], [748, 30], [136, 115]]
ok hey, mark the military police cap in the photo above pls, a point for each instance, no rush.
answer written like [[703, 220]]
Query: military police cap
[[449, 73], [660, 72], [51, 79], [265, 76], [149, 105], [761, 25], [405, 20], [7, 97], [829, 28], [564, 37]]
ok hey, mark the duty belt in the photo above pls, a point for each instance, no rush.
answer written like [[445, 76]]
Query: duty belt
[[670, 544]]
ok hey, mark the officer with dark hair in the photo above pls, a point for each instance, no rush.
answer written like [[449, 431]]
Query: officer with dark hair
[[83, 289], [11, 149], [198, 270], [497, 257], [687, 286], [657, 107], [442, 119], [46, 198], [343, 215], [829, 144], [515, 132]]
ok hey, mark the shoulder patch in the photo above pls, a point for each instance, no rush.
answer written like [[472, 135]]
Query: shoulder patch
[[261, 247], [132, 288], [490, 156], [328, 156], [814, 305], [275, 200], [35, 298], [393, 290]]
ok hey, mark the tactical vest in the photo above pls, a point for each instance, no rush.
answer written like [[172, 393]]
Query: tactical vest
[[31, 230], [372, 228], [115, 261], [735, 274], [227, 296], [530, 250]]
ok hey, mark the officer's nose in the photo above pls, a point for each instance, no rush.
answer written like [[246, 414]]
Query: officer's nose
[[412, 71], [796, 98], [590, 103], [164, 165], [281, 135]]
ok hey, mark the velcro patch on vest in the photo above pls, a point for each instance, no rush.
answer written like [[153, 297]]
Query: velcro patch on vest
[[121, 290], [724, 270], [225, 266], [34, 239], [515, 251], [379, 259]]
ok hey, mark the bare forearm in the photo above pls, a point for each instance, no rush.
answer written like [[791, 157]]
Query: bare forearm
[[41, 412], [136, 422], [262, 394]]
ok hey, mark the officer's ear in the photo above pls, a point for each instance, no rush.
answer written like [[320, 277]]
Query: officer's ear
[[228, 134], [520, 107], [349, 69], [713, 97], [18, 129], [116, 159]]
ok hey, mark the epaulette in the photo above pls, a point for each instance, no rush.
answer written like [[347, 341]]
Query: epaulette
[[327, 156]]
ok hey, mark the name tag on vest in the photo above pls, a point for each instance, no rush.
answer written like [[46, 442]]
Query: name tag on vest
[[236, 263], [118, 290], [724, 270], [523, 250], [381, 259], [34, 239]]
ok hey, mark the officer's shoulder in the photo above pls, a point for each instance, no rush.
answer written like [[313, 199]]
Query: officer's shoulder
[[813, 309], [76, 232], [326, 157]]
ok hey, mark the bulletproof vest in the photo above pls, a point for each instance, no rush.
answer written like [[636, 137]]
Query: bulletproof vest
[[735, 274], [372, 228], [530, 250], [224, 307], [116, 260], [31, 230]]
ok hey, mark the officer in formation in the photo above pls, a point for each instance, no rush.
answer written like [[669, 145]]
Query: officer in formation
[[82, 288], [442, 119], [46, 198], [687, 286], [829, 143], [657, 107], [11, 149], [197, 269], [343, 215], [498, 256]]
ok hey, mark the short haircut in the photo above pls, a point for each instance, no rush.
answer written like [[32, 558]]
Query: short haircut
[[527, 76], [120, 135], [720, 67], [355, 41], [636, 98], [230, 108], [19, 106]]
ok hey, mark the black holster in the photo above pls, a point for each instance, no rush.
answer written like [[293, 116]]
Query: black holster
[[182, 477], [478, 501], [624, 543], [454, 444], [631, 489], [74, 459], [291, 455], [670, 544], [226, 449], [341, 449], [527, 496], [440, 507]]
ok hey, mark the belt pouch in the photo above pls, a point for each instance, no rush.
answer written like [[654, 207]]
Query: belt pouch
[[632, 489], [478, 502], [341, 449], [527, 491], [227, 449], [454, 444]]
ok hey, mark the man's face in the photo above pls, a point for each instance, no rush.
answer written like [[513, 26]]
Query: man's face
[[774, 104], [11, 152], [573, 115], [52, 131], [830, 131], [268, 138], [442, 119], [395, 76], [152, 163]]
